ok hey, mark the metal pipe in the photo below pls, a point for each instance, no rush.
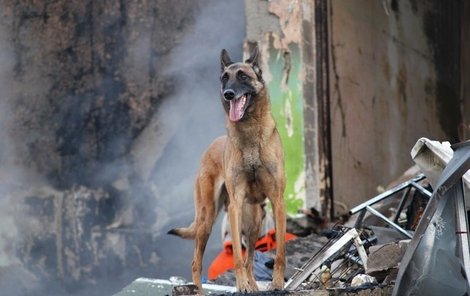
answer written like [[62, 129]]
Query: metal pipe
[[390, 222], [421, 189], [403, 200], [386, 194]]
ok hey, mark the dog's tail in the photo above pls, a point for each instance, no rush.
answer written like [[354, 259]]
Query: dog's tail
[[184, 232]]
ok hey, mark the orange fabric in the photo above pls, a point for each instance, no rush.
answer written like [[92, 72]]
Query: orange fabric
[[224, 261]]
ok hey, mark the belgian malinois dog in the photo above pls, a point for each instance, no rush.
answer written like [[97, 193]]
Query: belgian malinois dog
[[241, 170]]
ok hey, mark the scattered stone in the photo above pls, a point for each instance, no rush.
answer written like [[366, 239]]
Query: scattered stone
[[363, 279], [184, 290], [384, 258]]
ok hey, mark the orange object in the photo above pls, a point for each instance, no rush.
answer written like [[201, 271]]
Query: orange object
[[224, 261]]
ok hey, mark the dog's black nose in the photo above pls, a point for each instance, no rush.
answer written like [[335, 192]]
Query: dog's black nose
[[229, 94]]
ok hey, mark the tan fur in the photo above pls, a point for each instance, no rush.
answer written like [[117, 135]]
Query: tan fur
[[245, 167]]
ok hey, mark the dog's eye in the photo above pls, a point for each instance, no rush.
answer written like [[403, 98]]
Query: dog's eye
[[242, 76], [224, 78]]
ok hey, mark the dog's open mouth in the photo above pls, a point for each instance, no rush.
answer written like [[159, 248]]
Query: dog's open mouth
[[238, 107]]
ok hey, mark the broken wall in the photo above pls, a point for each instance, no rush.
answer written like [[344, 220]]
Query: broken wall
[[105, 109], [284, 30], [464, 130], [395, 77], [372, 78]]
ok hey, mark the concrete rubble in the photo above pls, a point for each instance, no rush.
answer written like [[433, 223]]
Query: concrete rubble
[[384, 259], [374, 260]]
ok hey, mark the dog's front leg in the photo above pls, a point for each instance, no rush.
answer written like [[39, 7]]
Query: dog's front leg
[[253, 216], [280, 224], [234, 212]]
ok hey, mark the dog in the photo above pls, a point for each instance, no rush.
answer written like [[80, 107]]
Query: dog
[[240, 170]]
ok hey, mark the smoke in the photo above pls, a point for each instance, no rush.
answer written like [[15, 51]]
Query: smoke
[[196, 116], [162, 161], [12, 176], [7, 229]]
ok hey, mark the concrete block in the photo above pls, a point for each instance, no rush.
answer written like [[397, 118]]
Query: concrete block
[[384, 258]]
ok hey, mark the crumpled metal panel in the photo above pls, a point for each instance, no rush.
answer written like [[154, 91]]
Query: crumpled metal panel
[[437, 260]]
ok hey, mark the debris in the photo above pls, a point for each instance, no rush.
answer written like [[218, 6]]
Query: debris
[[298, 251], [336, 248], [343, 260], [437, 260], [146, 286], [325, 276], [367, 206], [363, 279], [185, 290], [384, 258], [178, 280], [370, 259], [432, 157]]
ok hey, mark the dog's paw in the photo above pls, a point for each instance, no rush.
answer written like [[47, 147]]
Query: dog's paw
[[244, 286], [253, 285], [276, 285]]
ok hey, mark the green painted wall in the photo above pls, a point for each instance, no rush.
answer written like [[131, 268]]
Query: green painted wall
[[285, 90]]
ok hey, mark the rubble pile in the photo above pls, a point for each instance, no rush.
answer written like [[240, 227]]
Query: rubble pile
[[417, 244]]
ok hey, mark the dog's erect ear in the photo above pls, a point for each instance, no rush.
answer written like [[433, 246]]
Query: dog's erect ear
[[253, 60], [225, 60], [254, 57]]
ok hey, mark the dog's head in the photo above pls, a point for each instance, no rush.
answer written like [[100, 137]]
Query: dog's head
[[241, 85]]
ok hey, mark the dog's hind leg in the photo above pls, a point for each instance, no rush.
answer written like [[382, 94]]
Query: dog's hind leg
[[205, 218], [252, 216]]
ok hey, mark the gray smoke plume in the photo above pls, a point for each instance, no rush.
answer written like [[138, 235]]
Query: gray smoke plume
[[87, 206], [198, 118]]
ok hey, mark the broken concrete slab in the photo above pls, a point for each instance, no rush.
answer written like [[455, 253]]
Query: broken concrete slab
[[383, 258]]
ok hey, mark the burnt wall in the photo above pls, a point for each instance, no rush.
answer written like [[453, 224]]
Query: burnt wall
[[464, 128], [86, 79], [105, 109], [442, 26], [395, 77]]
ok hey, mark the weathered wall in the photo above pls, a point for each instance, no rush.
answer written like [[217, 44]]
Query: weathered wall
[[374, 77], [105, 109], [285, 31], [464, 130], [394, 68]]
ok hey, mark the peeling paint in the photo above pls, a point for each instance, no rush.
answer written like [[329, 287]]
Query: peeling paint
[[285, 91], [288, 115], [278, 26], [290, 20], [299, 185]]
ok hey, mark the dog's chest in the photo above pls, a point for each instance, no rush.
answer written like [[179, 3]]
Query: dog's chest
[[254, 167], [251, 158]]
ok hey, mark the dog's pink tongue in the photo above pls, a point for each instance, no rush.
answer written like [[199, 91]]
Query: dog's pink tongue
[[236, 110]]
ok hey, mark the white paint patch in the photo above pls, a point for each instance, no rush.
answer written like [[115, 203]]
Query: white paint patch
[[288, 116], [299, 188]]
